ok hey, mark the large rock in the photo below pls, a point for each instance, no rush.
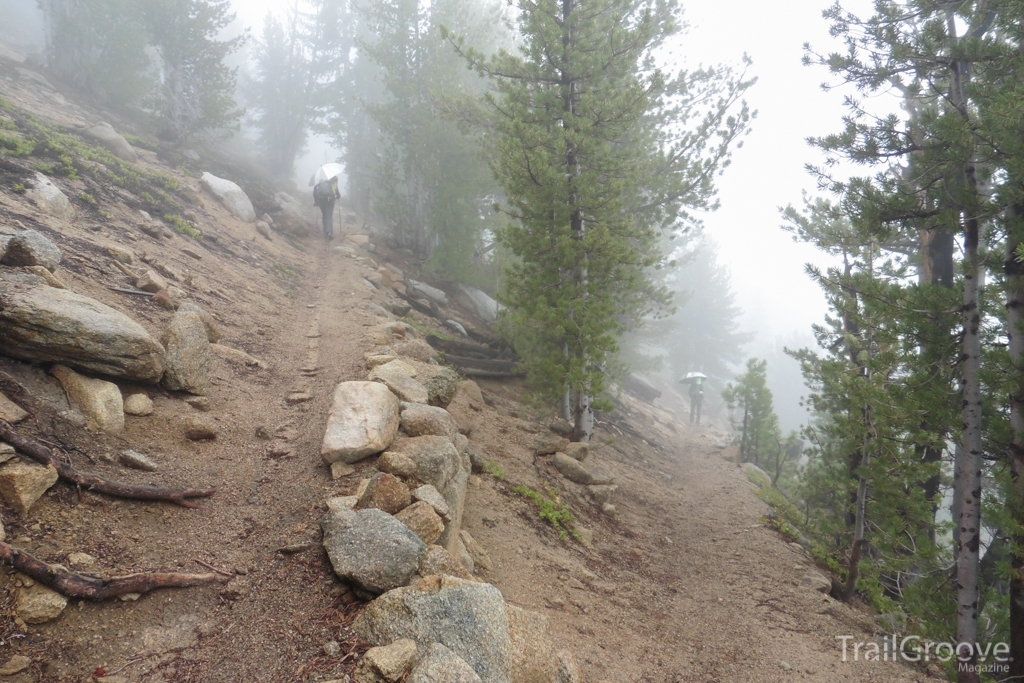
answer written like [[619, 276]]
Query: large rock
[[534, 659], [406, 388], [486, 307], [23, 483], [441, 388], [105, 135], [385, 492], [548, 443], [100, 401], [151, 281], [231, 196], [294, 216], [38, 604], [427, 291], [188, 354], [31, 248], [571, 469], [371, 549], [49, 198], [577, 451], [441, 665], [59, 326], [395, 368], [213, 333], [465, 407], [417, 349], [481, 560], [422, 521], [467, 617], [437, 461], [363, 421], [423, 420]]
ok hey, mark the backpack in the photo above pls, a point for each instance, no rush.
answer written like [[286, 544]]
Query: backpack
[[323, 193]]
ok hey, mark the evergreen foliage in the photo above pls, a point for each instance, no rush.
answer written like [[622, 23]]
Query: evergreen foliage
[[599, 153], [103, 48]]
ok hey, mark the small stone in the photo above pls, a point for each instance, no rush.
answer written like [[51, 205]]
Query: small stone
[[23, 483], [129, 597], [100, 401], [15, 664], [342, 503], [609, 510], [198, 429], [332, 648], [389, 662], [191, 253], [137, 461], [422, 520], [81, 560], [38, 604], [200, 403], [602, 493], [121, 255], [340, 469], [298, 397], [51, 278], [151, 281], [398, 464], [385, 492], [138, 404], [430, 495], [10, 411]]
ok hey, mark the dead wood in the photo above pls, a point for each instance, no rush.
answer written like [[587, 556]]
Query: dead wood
[[74, 585], [92, 482]]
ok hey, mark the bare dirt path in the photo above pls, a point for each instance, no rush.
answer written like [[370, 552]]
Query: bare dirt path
[[687, 585]]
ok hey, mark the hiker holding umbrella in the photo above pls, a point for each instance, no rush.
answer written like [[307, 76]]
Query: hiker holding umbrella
[[325, 192], [696, 382]]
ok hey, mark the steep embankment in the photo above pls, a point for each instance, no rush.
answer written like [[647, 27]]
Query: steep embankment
[[683, 583]]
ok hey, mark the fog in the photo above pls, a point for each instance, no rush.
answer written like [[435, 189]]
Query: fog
[[778, 301]]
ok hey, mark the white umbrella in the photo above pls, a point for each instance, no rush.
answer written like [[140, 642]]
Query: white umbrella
[[691, 376], [326, 172]]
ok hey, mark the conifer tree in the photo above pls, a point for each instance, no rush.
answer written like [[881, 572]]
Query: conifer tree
[[599, 152]]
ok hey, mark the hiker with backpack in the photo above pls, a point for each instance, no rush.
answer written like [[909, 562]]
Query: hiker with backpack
[[324, 195]]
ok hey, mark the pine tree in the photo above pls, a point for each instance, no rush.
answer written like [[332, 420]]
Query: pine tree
[[755, 419], [428, 182], [198, 88], [297, 66], [593, 147], [99, 47]]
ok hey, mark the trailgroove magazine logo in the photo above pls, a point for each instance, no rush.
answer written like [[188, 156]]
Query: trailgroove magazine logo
[[988, 658]]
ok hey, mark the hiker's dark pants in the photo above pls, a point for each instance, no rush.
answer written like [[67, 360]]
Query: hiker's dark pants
[[327, 209], [695, 409]]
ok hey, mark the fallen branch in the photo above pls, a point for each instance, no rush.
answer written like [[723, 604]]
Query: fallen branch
[[135, 292], [89, 587], [91, 482]]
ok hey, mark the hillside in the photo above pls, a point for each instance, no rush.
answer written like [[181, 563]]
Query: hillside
[[680, 581]]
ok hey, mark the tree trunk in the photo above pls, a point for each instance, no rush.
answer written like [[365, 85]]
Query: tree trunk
[[967, 480], [1014, 271]]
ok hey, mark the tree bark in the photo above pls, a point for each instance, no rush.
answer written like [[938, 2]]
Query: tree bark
[[91, 482], [967, 480], [89, 587], [1014, 271]]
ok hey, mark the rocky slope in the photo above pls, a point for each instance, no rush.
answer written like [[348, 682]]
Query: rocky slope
[[375, 516]]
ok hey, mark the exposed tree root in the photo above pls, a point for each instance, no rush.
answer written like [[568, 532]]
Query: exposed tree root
[[91, 482], [89, 587]]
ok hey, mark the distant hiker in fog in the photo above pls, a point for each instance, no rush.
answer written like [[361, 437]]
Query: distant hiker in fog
[[324, 195], [696, 398]]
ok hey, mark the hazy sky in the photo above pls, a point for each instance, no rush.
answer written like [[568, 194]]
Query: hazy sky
[[768, 172]]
